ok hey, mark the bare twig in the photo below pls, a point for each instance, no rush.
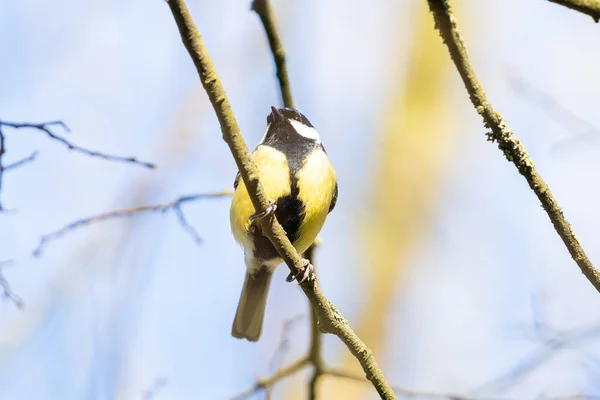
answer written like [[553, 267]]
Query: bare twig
[[46, 128], [573, 123], [417, 394], [267, 16], [549, 349], [330, 319], [263, 384], [284, 342], [151, 391], [174, 205], [2, 152], [508, 143], [8, 294], [315, 350], [21, 162], [588, 7]]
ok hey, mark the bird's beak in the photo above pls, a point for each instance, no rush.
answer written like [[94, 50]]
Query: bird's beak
[[276, 114]]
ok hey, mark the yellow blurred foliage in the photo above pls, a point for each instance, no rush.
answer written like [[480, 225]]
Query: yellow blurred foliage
[[413, 154]]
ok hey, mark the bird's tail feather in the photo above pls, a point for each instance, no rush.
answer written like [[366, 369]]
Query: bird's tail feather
[[251, 307]]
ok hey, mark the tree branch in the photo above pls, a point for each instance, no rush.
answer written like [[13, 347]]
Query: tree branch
[[330, 320], [507, 142], [315, 350], [2, 152], [588, 7], [45, 127], [155, 387], [174, 205], [263, 384], [22, 161], [8, 294], [267, 16], [537, 358]]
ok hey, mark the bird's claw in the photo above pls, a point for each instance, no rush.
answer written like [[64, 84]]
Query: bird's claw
[[270, 210], [308, 270]]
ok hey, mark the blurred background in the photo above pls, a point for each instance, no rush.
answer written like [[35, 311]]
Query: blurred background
[[437, 253]]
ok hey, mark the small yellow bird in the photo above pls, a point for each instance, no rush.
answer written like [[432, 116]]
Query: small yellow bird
[[301, 184]]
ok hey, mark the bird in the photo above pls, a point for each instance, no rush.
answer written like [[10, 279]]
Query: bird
[[301, 185]]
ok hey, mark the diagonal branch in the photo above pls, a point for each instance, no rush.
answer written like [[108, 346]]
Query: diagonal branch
[[155, 387], [174, 205], [22, 161], [7, 292], [588, 7], [263, 384], [46, 128], [330, 319], [2, 168], [267, 16], [507, 142], [550, 348]]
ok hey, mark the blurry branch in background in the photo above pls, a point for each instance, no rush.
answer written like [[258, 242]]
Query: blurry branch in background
[[267, 16], [313, 357], [22, 162], [576, 125], [2, 168], [174, 206], [416, 394], [507, 142], [284, 342], [157, 385], [588, 7], [330, 320], [7, 292], [46, 128], [550, 347]]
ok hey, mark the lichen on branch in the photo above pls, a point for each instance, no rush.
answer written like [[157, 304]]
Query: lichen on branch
[[500, 133]]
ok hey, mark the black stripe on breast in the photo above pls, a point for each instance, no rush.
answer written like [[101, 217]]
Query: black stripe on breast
[[290, 210]]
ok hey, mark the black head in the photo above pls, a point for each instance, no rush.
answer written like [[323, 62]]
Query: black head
[[290, 127]]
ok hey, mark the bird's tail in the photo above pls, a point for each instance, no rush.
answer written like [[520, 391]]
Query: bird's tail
[[251, 307]]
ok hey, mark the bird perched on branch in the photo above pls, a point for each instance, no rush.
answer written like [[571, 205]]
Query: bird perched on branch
[[301, 184]]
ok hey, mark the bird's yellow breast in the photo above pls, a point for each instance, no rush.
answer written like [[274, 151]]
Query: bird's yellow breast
[[274, 174], [316, 181]]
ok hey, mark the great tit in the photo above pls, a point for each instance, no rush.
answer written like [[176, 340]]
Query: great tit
[[301, 184]]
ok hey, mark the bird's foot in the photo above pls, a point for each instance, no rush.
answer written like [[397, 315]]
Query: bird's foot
[[270, 210], [308, 270]]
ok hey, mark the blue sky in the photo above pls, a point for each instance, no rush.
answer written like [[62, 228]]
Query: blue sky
[[111, 308]]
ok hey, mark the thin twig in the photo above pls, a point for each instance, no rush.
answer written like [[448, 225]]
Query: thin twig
[[174, 205], [8, 294], [588, 7], [528, 364], [151, 391], [563, 116], [2, 152], [284, 342], [409, 393], [267, 16], [263, 384], [315, 350], [508, 143], [330, 319], [21, 162], [45, 127]]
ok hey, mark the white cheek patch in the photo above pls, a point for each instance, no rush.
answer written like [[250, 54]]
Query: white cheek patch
[[265, 135], [306, 131]]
